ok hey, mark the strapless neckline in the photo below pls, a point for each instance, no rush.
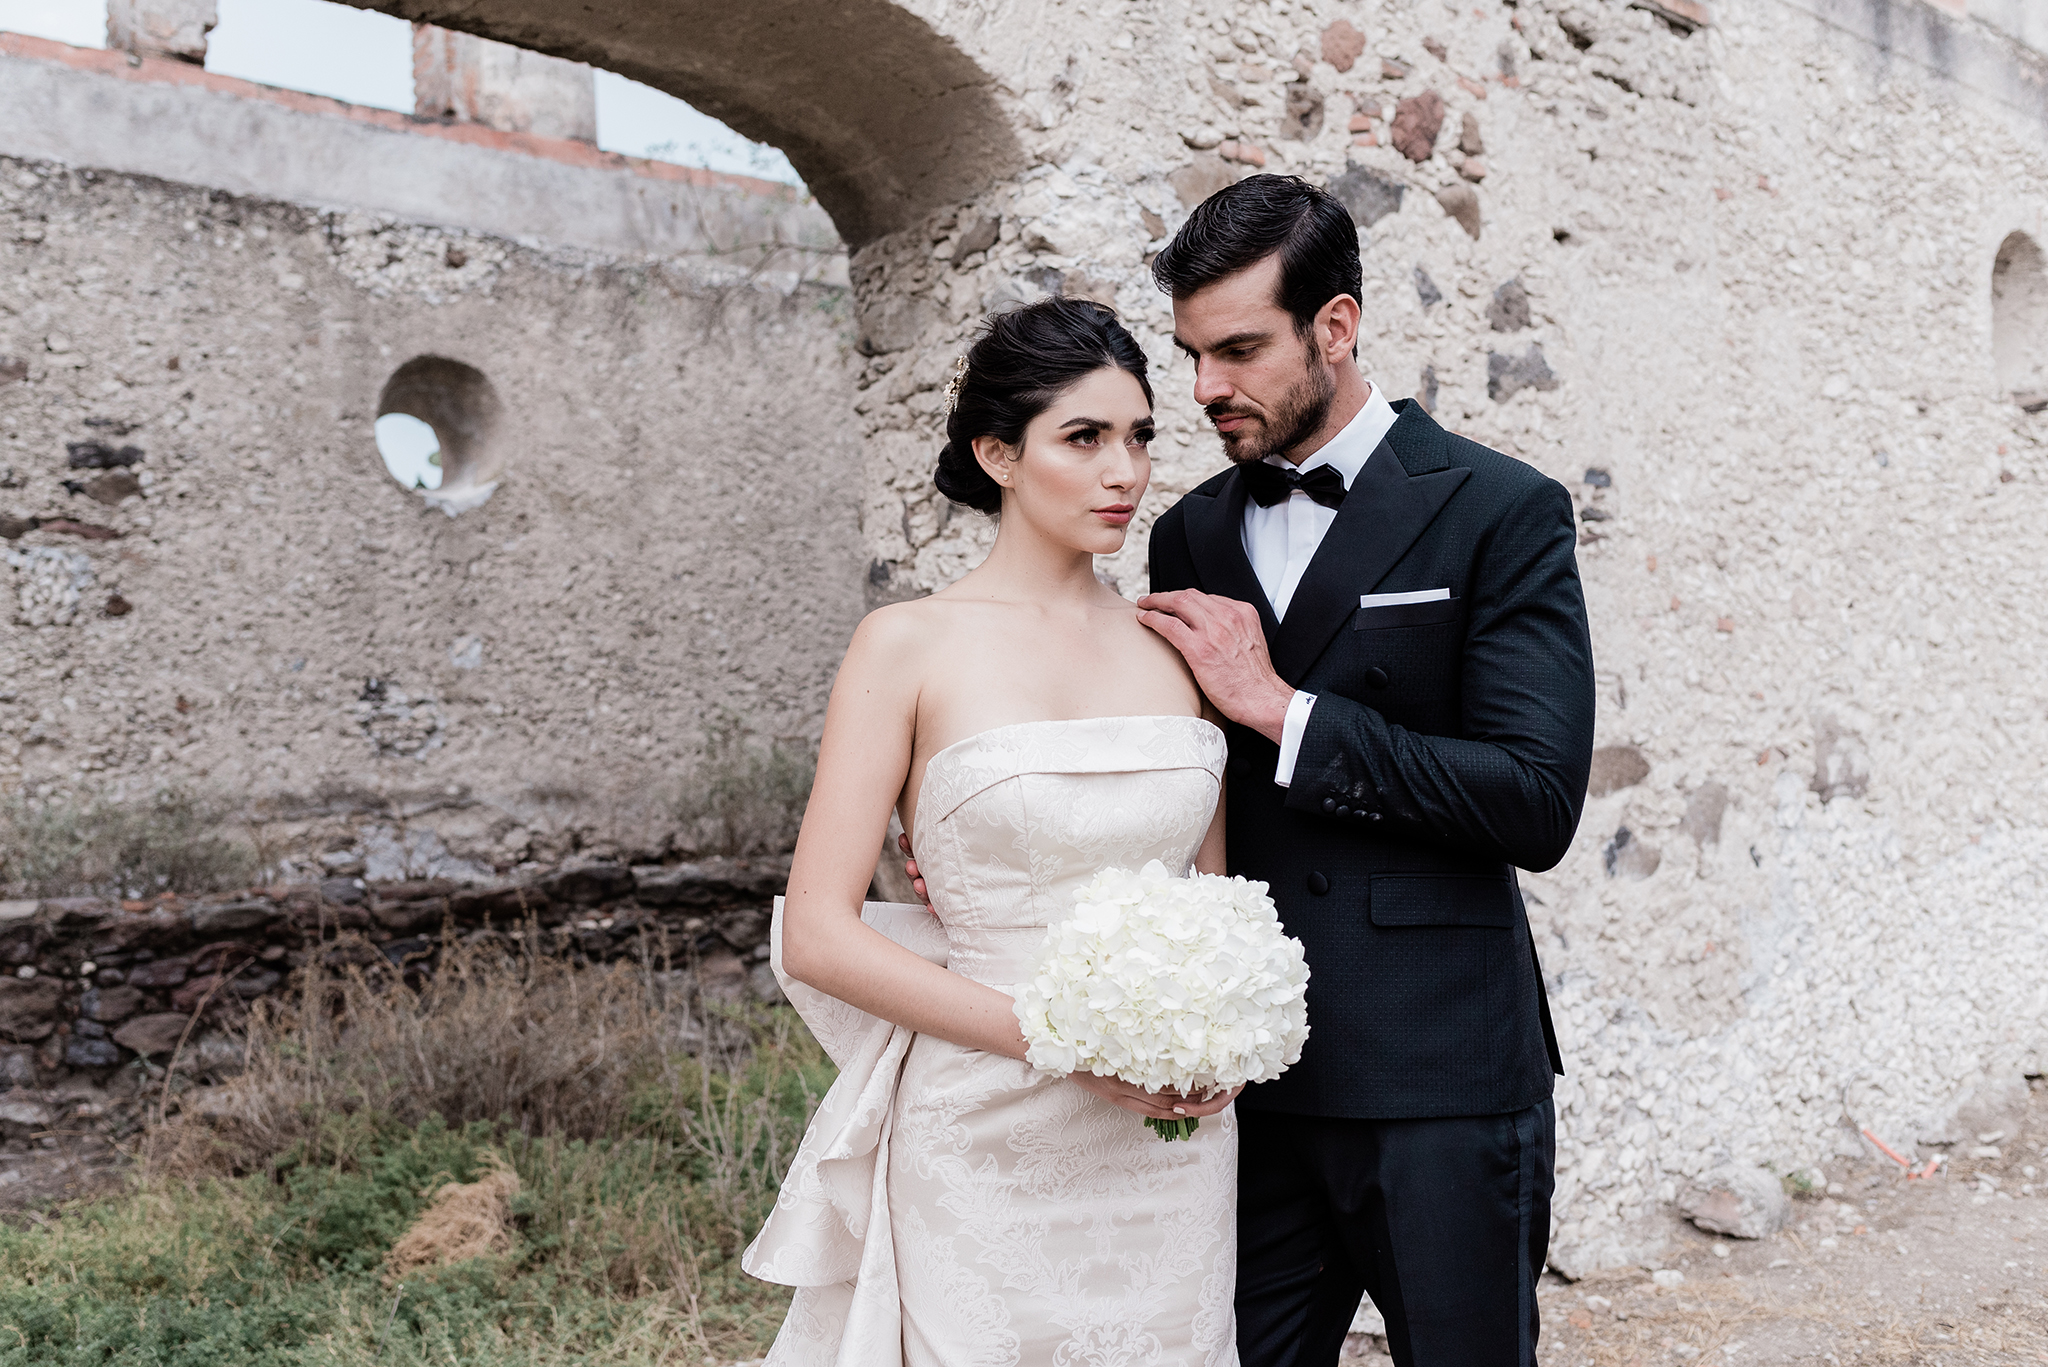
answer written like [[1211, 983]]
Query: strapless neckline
[[966, 745]]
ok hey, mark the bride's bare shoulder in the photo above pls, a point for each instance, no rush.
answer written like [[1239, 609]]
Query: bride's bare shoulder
[[901, 635]]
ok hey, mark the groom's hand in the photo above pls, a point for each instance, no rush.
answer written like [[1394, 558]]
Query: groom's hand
[[916, 879], [1225, 646]]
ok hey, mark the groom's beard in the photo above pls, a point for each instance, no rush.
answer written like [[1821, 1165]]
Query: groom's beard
[[1299, 415]]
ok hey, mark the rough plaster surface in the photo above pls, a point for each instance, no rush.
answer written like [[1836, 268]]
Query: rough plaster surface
[[1730, 283], [674, 532]]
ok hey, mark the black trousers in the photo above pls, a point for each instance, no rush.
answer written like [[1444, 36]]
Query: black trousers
[[1444, 1223]]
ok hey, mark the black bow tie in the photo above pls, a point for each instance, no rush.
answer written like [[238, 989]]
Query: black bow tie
[[1270, 484]]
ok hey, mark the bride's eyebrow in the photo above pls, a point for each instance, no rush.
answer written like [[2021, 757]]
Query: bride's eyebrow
[[1084, 422]]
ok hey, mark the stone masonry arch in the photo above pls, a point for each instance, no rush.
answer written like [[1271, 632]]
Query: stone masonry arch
[[884, 116]]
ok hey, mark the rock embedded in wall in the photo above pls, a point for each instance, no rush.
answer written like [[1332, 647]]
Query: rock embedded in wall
[[1367, 195], [1627, 856], [1417, 121], [1303, 116], [1426, 290], [1342, 44], [1507, 376], [1461, 203], [1509, 309], [1841, 764], [1704, 811], [1615, 767]]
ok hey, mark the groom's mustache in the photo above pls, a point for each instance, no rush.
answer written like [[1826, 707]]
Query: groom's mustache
[[1224, 410]]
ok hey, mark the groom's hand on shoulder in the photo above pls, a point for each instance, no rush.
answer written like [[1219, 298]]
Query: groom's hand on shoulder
[[1225, 646]]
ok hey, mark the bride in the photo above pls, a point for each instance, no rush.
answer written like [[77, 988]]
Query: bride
[[951, 1206]]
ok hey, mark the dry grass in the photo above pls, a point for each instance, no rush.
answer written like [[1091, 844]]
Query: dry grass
[[466, 1220], [526, 1041]]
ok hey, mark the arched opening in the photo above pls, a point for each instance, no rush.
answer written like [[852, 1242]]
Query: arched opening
[[884, 118], [463, 418], [2019, 321]]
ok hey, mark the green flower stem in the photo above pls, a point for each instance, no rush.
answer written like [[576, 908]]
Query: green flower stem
[[1171, 1130]]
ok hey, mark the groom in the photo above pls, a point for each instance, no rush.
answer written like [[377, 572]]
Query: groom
[[1390, 618]]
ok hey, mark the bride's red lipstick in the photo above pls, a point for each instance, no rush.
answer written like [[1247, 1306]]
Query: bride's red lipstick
[[1117, 514]]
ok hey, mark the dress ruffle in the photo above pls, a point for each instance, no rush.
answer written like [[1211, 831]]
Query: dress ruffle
[[829, 1234]]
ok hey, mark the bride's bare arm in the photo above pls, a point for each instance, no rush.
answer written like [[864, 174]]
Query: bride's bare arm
[[863, 762]]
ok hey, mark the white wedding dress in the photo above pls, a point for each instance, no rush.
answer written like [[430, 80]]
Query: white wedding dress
[[953, 1208]]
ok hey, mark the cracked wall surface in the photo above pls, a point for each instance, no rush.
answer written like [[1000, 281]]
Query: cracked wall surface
[[1725, 271]]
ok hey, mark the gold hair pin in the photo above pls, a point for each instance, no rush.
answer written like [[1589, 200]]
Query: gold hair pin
[[953, 385]]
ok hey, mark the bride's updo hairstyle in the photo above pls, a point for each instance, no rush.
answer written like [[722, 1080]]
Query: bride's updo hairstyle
[[1022, 361]]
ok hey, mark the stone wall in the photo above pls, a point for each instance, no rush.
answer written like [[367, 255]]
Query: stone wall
[[1729, 277], [216, 584], [98, 999]]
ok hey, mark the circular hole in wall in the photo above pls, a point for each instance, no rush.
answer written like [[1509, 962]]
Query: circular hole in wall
[[411, 450], [2019, 321], [438, 431]]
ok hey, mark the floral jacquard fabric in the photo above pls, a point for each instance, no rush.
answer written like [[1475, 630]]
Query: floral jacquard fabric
[[951, 1208]]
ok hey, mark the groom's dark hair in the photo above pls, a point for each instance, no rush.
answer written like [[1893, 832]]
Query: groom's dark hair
[[1243, 224]]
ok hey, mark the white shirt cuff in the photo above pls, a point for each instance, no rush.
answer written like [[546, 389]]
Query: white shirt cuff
[[1291, 729]]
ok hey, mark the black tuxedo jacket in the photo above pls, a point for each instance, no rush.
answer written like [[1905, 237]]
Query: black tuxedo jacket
[[1449, 745]]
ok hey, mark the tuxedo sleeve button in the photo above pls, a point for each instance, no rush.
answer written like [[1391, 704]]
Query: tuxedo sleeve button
[[1342, 810], [1375, 816], [1375, 677], [1329, 804], [1318, 885]]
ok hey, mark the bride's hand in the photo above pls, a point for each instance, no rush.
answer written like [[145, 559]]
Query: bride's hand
[[1152, 1105]]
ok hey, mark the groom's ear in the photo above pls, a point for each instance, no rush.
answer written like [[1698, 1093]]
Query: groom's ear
[[1337, 329]]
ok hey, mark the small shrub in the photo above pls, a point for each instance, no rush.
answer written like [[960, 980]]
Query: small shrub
[[119, 849], [743, 797], [529, 1041]]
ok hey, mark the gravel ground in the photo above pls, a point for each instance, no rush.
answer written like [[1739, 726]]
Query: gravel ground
[[1878, 1270], [1950, 1271]]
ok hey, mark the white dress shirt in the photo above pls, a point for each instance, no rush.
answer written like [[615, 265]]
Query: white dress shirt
[[1281, 540]]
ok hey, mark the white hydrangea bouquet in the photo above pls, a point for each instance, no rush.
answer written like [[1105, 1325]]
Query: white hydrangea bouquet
[[1187, 983]]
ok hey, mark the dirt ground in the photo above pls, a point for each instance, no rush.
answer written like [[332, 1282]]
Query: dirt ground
[[1950, 1271]]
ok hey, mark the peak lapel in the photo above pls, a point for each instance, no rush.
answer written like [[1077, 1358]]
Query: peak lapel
[[1215, 529], [1386, 510]]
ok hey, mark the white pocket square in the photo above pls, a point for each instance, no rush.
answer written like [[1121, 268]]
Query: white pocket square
[[1390, 600]]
